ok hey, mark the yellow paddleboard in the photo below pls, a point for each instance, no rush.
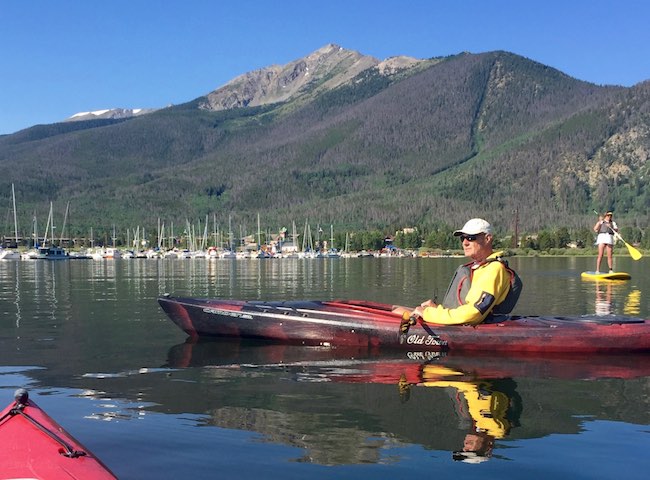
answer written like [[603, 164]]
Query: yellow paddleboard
[[605, 276]]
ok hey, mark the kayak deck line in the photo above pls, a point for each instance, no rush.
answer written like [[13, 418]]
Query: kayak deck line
[[278, 314], [22, 400]]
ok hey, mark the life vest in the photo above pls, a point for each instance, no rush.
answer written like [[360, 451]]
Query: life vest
[[462, 281], [607, 227]]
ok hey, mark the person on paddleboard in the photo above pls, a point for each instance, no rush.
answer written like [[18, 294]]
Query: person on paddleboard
[[481, 288], [605, 228]]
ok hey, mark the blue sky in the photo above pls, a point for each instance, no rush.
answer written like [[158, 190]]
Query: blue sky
[[60, 57]]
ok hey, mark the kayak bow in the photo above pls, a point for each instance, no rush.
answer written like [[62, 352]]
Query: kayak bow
[[34, 446]]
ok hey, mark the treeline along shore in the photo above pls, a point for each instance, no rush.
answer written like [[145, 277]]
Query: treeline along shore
[[412, 241]]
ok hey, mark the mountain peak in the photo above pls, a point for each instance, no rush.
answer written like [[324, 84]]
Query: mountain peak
[[325, 68]]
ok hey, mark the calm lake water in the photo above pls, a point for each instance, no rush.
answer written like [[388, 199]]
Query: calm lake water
[[96, 352]]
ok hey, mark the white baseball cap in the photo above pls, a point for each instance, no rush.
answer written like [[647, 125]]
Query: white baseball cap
[[474, 227]]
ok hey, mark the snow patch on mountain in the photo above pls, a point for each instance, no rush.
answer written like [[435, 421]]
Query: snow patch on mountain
[[109, 113]]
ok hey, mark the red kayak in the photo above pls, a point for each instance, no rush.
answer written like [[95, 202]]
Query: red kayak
[[359, 323], [34, 446]]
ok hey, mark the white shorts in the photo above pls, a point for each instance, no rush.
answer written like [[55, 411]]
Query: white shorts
[[606, 238]]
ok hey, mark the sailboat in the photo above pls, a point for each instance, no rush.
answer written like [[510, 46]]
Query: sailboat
[[229, 252], [346, 249], [32, 254], [10, 253], [291, 251], [262, 250], [52, 252], [111, 253], [201, 250], [307, 243], [331, 251]]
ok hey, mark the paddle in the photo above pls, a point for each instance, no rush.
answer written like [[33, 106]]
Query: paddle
[[634, 253]]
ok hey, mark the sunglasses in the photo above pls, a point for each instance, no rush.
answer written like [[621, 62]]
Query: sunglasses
[[469, 238]]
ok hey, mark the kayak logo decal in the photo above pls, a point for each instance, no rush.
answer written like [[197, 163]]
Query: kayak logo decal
[[228, 313], [429, 340]]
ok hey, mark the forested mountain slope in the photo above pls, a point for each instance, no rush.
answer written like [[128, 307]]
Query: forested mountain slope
[[424, 143]]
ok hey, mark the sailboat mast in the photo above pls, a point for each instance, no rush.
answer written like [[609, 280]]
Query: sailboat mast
[[13, 194], [229, 233], [35, 225], [65, 220], [214, 230], [304, 237], [204, 242], [47, 226]]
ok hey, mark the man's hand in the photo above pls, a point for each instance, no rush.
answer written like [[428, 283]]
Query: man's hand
[[419, 311], [399, 310]]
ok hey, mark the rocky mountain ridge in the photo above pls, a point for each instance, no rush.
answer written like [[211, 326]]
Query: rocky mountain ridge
[[325, 69]]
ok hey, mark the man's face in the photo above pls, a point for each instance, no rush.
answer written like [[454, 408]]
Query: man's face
[[477, 247]]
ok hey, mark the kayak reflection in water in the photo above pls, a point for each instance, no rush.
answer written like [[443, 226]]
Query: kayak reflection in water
[[492, 408]]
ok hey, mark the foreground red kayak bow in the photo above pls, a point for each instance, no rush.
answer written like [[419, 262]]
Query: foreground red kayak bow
[[34, 446]]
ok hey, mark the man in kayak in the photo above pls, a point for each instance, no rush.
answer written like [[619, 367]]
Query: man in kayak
[[605, 228], [478, 289]]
